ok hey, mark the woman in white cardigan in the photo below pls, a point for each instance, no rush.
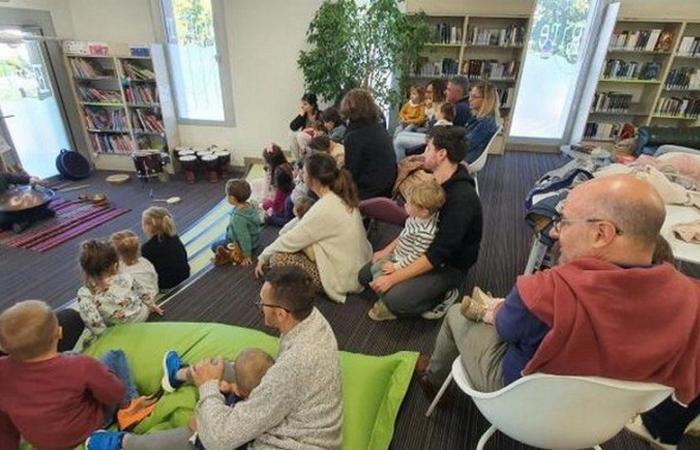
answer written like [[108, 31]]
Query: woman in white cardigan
[[332, 228]]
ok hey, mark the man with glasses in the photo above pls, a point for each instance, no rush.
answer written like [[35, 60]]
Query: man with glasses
[[604, 310], [298, 403]]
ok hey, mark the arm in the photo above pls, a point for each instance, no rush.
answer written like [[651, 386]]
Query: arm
[[240, 228], [9, 435], [297, 123], [280, 220], [90, 314], [421, 241], [312, 228], [420, 116], [15, 178], [101, 382], [479, 136], [402, 113], [515, 323], [455, 219], [353, 155], [146, 297]]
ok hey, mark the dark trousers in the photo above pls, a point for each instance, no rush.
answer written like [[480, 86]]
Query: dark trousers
[[7, 219], [668, 421], [72, 325]]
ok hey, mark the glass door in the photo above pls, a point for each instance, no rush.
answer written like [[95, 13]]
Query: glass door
[[29, 103]]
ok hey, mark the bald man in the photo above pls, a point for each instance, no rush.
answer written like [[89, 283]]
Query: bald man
[[604, 310]]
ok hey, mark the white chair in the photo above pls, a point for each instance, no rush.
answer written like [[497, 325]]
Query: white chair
[[480, 162], [562, 412]]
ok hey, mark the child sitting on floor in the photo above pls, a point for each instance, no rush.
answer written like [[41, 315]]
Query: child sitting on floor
[[130, 261], [109, 297], [277, 209], [274, 158], [323, 143], [423, 202], [243, 231], [164, 248], [301, 207], [54, 400]]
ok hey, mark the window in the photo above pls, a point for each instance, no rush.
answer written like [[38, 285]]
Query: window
[[196, 50]]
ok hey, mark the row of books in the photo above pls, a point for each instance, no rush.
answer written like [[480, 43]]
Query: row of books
[[99, 95], [137, 72], [602, 130], [505, 97], [83, 68], [444, 33], [675, 106], [683, 78], [689, 46], [642, 40], [444, 68], [107, 119], [141, 94], [147, 121], [511, 36], [112, 143], [482, 68], [632, 70], [611, 102]]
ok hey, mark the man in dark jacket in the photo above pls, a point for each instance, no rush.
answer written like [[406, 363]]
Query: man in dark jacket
[[432, 283]]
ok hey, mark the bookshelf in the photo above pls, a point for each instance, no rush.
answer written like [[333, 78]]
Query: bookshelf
[[124, 101], [651, 77], [480, 48]]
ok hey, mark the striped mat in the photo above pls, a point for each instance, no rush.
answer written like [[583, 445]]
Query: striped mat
[[72, 219]]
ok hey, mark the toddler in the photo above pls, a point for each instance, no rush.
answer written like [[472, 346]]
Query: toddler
[[277, 210], [334, 124], [274, 158], [164, 248], [301, 207], [109, 297], [243, 231], [130, 261], [412, 113], [423, 202], [445, 114], [323, 143]]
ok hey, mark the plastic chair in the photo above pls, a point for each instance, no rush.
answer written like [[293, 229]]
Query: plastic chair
[[480, 162], [562, 412], [383, 209]]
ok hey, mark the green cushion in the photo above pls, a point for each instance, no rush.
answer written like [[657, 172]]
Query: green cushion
[[373, 386]]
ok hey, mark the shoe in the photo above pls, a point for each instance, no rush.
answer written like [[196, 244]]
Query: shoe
[[440, 310], [637, 428], [171, 364], [105, 440], [474, 306], [137, 410], [380, 312], [422, 365]]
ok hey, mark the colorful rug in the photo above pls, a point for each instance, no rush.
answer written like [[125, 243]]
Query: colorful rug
[[73, 218]]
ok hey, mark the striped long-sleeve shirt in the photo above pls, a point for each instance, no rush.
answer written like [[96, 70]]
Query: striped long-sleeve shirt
[[414, 240]]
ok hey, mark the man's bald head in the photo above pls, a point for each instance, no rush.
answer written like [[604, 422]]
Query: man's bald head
[[28, 329], [630, 203]]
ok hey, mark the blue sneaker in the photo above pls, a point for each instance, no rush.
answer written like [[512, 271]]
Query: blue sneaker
[[105, 440], [171, 364]]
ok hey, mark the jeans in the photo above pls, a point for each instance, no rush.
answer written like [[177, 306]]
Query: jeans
[[668, 420], [116, 362], [417, 295], [405, 140]]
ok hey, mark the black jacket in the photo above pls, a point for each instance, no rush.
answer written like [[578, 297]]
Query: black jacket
[[300, 122], [370, 158], [169, 257], [460, 223], [7, 179], [463, 114]]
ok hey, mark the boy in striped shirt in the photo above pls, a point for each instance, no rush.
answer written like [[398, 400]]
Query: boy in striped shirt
[[422, 205]]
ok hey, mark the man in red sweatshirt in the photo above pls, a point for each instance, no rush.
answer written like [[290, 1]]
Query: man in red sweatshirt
[[53, 400], [605, 310]]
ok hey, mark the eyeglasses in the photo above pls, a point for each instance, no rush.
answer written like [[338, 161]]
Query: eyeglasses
[[259, 303], [559, 223]]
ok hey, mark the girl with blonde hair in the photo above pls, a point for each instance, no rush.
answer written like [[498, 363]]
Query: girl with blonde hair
[[164, 248]]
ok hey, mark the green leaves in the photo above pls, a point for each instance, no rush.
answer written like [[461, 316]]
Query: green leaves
[[371, 46]]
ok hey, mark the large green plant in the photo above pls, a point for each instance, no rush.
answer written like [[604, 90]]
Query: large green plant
[[371, 46]]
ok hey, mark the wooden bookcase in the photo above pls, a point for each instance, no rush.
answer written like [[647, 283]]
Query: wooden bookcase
[[124, 101], [480, 48], [646, 94]]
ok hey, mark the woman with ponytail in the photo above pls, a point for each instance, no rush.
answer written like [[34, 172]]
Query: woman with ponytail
[[332, 228]]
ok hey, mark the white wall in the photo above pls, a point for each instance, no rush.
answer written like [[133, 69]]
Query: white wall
[[59, 10], [112, 20]]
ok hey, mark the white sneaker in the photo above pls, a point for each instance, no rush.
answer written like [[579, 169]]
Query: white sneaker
[[441, 308], [637, 428]]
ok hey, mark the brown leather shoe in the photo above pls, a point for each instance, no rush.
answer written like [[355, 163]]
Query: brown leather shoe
[[421, 371]]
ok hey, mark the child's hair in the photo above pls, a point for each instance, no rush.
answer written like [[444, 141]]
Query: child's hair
[[321, 143], [96, 258], [127, 245], [239, 189], [663, 252], [283, 180], [319, 127], [302, 206], [447, 110], [250, 367], [160, 220], [419, 89], [428, 195], [331, 115], [273, 157], [28, 329]]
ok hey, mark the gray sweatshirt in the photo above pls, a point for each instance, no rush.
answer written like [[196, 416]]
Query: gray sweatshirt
[[298, 405]]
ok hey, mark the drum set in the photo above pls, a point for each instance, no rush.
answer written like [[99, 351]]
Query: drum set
[[149, 163], [211, 163]]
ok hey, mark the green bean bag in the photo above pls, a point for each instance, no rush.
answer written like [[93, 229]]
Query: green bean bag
[[373, 386]]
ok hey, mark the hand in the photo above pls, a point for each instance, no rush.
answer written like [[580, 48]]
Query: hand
[[192, 424], [382, 284], [207, 370], [156, 309], [388, 268], [259, 270], [378, 255], [246, 261], [301, 111]]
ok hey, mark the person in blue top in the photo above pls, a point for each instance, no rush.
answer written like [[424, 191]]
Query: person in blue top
[[482, 123]]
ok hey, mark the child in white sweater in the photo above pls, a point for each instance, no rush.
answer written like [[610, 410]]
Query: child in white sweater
[[128, 247]]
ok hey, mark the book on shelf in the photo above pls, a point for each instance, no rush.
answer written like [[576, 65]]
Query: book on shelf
[[444, 33], [145, 121], [112, 143], [445, 68], [141, 94], [83, 68], [136, 71], [678, 107], [87, 94], [505, 97], [614, 102], [683, 78], [603, 130], [689, 46], [490, 69], [105, 119], [511, 36], [640, 40]]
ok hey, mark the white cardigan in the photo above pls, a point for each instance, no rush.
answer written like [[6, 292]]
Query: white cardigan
[[339, 242]]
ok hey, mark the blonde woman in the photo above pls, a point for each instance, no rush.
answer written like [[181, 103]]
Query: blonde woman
[[164, 248], [483, 104]]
